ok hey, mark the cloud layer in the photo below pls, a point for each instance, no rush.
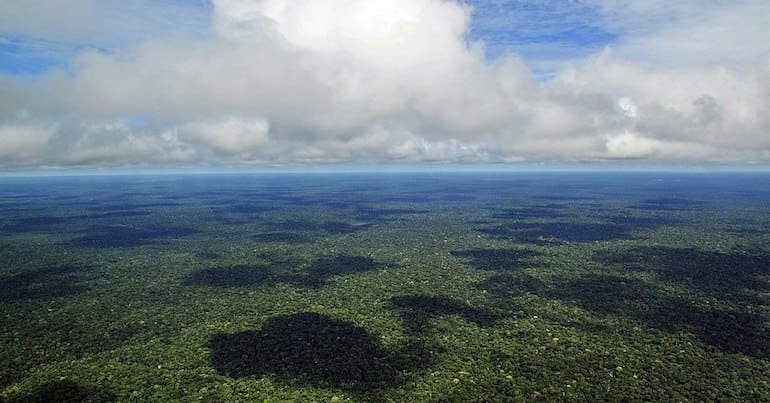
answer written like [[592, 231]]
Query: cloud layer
[[321, 81]]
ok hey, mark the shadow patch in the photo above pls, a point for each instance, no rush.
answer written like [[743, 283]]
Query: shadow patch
[[47, 282], [282, 270], [33, 224], [312, 349], [536, 212], [282, 237], [115, 236], [511, 285], [670, 204], [633, 222], [323, 268], [113, 214], [329, 266], [729, 331], [566, 198], [418, 310], [130, 206], [246, 208], [737, 277], [497, 259], [558, 233]]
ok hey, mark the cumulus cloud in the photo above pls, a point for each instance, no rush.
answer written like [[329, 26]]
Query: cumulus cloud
[[20, 142], [631, 145], [314, 81], [229, 135]]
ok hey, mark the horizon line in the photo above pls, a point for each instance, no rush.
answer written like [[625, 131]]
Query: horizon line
[[390, 169]]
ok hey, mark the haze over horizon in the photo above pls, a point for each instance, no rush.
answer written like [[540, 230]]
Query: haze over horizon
[[94, 84]]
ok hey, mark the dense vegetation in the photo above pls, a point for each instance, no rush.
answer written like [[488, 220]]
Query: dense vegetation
[[386, 287]]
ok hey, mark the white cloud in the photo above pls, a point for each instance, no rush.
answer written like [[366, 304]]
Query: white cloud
[[230, 135], [716, 106], [628, 107], [346, 81], [631, 145], [115, 142], [21, 142]]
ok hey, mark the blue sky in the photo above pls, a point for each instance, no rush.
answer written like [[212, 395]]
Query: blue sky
[[23, 55], [253, 83], [546, 34]]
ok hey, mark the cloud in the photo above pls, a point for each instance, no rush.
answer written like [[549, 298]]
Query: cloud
[[101, 23], [631, 145], [314, 81], [716, 106], [21, 142], [689, 32], [229, 135]]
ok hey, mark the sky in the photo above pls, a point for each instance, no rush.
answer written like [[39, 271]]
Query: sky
[[265, 83]]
